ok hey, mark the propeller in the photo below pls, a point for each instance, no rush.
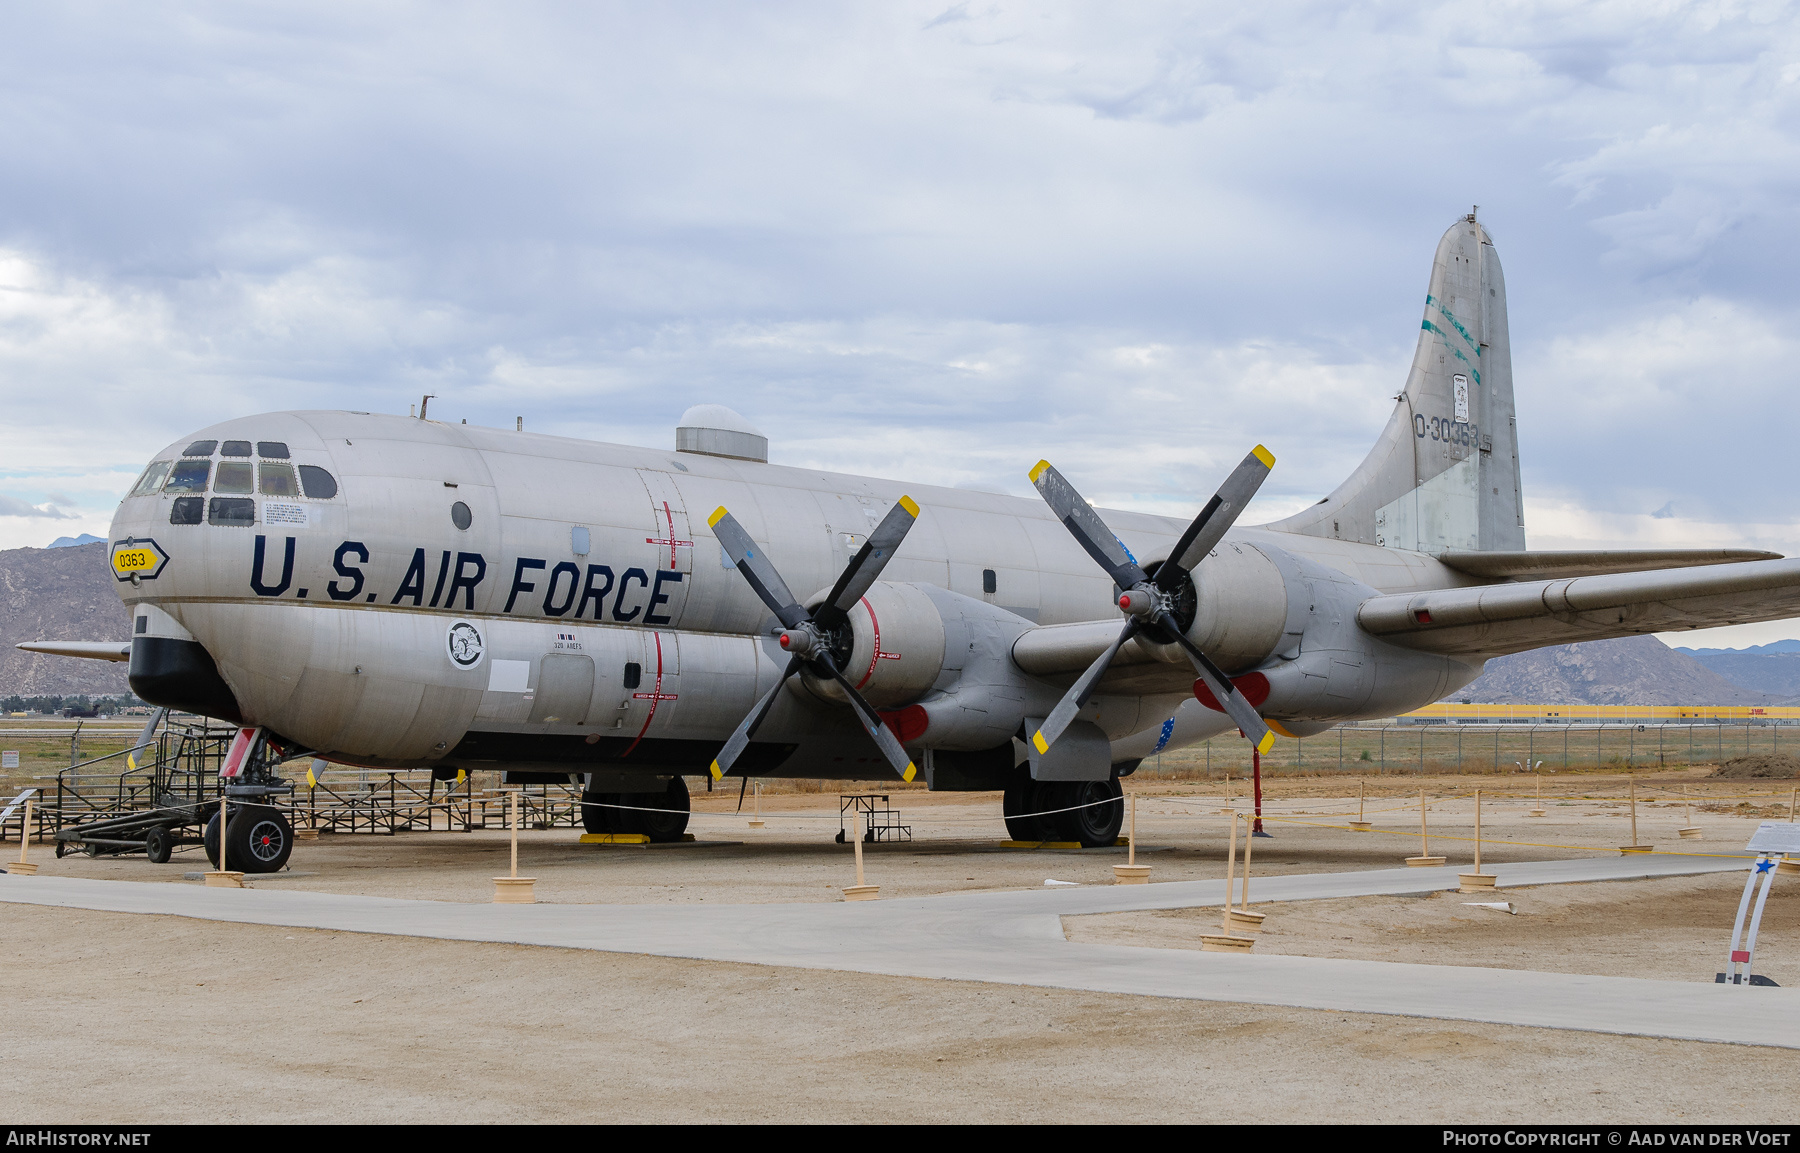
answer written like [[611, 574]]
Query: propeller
[[1148, 602], [807, 636]]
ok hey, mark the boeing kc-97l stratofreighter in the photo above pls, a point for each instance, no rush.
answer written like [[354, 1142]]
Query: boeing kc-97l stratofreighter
[[391, 591]]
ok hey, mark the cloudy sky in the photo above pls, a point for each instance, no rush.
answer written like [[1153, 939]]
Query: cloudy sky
[[915, 240]]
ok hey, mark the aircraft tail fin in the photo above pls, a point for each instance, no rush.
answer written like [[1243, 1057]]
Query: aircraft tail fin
[[1444, 474]]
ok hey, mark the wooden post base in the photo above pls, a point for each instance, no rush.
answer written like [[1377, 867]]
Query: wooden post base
[[1243, 920], [1475, 882], [224, 879], [756, 824], [863, 893], [1361, 826], [1131, 874], [1214, 943], [1535, 813], [22, 868], [1226, 812], [1691, 833], [1424, 862], [1636, 848], [514, 891], [1788, 865], [306, 833]]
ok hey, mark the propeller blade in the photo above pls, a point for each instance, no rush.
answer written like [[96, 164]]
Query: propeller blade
[[1220, 513], [873, 725], [756, 568], [1066, 709], [1236, 707], [740, 740], [1081, 520], [865, 568]]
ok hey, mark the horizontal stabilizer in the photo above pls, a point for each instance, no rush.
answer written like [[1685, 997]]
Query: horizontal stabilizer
[[1493, 620], [92, 650], [1591, 562]]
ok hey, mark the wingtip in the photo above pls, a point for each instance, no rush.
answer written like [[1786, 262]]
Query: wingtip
[[1042, 467], [1038, 742], [906, 502], [1264, 455], [718, 515]]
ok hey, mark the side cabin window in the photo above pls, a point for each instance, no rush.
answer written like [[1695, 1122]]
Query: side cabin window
[[189, 476], [238, 511], [634, 675], [152, 478], [235, 476], [318, 484]]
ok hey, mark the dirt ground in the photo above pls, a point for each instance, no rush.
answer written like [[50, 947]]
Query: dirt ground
[[121, 1018], [344, 1027]]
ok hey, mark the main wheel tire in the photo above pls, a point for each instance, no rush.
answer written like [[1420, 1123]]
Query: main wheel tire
[[211, 840], [599, 813], [259, 839], [663, 827], [158, 844], [1092, 811], [1021, 797]]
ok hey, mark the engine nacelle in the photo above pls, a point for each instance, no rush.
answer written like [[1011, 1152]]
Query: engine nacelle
[[895, 648]]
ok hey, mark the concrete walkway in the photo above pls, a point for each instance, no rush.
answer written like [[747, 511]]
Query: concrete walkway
[[1017, 938]]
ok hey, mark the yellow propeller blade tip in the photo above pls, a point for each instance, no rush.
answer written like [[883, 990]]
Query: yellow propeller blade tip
[[717, 775], [906, 502], [1264, 455], [1042, 745], [1266, 743], [718, 515], [908, 774], [1042, 466]]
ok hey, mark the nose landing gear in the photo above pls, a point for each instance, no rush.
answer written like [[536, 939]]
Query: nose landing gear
[[258, 839]]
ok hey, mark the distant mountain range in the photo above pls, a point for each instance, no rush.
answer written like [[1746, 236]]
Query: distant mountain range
[[1771, 647], [74, 541], [63, 594], [1628, 671]]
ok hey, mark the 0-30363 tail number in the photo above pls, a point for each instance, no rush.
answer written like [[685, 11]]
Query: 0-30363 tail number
[[1444, 429]]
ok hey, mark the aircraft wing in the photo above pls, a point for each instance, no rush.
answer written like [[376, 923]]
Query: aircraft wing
[[92, 650], [1529, 565], [1060, 652], [1493, 620]]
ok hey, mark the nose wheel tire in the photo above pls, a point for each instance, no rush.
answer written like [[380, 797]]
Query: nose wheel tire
[[258, 840]]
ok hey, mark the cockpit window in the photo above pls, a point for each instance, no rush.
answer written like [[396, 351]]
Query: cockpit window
[[201, 448], [272, 449], [189, 476], [152, 478], [277, 479], [319, 484], [235, 448], [235, 476]]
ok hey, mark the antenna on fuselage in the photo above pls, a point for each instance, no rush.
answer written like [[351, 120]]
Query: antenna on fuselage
[[427, 399]]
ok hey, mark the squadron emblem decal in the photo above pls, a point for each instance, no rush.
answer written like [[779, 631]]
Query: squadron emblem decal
[[463, 643]]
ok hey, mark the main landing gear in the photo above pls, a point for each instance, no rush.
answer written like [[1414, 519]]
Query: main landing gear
[[1080, 819], [646, 813]]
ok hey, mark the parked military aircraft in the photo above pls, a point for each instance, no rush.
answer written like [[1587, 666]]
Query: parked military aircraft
[[397, 592]]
